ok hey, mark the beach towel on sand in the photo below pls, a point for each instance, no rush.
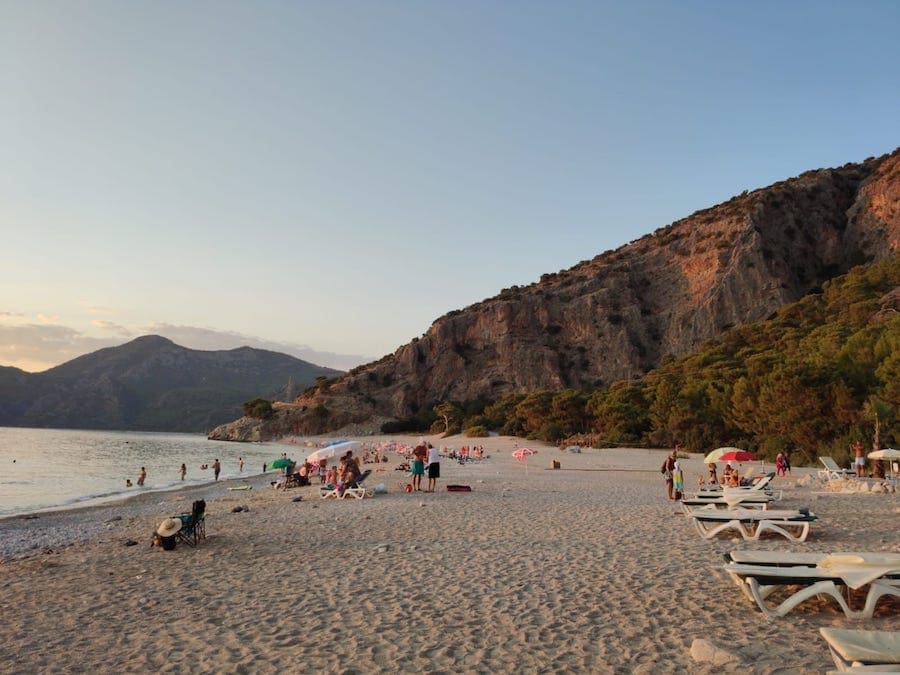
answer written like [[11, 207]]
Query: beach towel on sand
[[458, 488]]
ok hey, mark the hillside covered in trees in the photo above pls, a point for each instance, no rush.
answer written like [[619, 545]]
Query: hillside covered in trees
[[821, 373]]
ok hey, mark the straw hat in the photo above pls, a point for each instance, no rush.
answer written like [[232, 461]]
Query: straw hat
[[168, 527]]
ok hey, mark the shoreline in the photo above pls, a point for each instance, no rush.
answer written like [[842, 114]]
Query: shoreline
[[583, 569]]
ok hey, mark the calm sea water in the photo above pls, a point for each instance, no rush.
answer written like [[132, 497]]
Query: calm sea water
[[51, 468]]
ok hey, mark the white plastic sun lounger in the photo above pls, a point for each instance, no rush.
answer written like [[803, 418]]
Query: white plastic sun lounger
[[751, 523], [832, 471], [760, 487], [816, 574], [853, 650], [748, 501]]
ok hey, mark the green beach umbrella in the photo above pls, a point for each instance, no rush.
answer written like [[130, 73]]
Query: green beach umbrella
[[280, 463]]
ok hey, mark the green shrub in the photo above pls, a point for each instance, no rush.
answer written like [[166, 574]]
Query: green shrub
[[259, 408], [477, 431]]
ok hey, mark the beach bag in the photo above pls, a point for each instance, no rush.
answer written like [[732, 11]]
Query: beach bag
[[408, 487], [167, 543]]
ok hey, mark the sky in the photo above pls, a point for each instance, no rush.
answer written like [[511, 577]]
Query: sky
[[327, 178]]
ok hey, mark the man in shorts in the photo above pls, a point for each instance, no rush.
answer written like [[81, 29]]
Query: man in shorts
[[434, 467], [417, 467], [859, 461]]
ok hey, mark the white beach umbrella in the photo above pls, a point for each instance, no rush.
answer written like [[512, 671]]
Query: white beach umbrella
[[335, 450], [889, 454]]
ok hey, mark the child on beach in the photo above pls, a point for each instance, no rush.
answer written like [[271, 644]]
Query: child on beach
[[183, 471], [142, 476]]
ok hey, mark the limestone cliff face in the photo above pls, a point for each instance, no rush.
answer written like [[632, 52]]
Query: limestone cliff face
[[615, 316]]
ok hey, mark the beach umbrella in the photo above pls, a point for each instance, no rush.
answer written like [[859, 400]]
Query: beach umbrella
[[889, 454], [716, 455], [521, 454], [280, 463], [736, 456], [335, 450]]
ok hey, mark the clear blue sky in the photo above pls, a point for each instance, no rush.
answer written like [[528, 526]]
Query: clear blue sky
[[327, 178]]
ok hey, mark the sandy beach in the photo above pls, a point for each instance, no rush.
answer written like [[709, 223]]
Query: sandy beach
[[588, 568]]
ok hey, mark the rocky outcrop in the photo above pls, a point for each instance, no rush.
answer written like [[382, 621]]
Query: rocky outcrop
[[615, 316]]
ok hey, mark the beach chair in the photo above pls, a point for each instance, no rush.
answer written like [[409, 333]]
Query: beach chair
[[832, 471], [746, 500], [293, 480], [332, 491], [762, 484], [801, 576], [356, 488], [753, 523], [193, 524], [856, 650]]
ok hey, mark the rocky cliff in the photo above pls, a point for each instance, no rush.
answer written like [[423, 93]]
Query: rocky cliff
[[615, 316]]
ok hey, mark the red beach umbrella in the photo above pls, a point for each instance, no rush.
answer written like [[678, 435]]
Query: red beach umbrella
[[737, 456], [521, 454]]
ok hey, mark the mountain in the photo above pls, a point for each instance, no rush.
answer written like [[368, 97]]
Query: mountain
[[616, 316], [150, 384]]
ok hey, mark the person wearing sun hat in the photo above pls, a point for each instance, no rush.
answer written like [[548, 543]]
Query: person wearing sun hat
[[166, 532]]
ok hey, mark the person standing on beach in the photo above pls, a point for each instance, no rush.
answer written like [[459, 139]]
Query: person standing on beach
[[183, 471], [677, 481], [417, 467], [142, 476], [241, 464], [434, 467], [667, 469], [859, 461], [217, 468]]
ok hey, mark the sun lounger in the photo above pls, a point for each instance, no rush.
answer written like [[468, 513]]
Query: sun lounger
[[752, 523], [763, 486], [853, 650], [832, 471], [747, 501], [355, 489], [759, 574]]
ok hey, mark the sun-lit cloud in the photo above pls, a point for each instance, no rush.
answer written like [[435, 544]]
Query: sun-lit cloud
[[47, 318], [112, 327], [35, 347], [196, 337]]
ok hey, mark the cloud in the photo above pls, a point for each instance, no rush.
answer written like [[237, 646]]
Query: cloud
[[112, 327], [35, 347], [195, 337]]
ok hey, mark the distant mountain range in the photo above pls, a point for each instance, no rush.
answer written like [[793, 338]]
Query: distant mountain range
[[616, 316], [151, 384]]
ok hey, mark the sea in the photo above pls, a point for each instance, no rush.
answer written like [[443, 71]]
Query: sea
[[43, 469]]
